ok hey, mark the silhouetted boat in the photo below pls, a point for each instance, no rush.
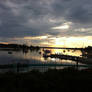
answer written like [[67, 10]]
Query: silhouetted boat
[[9, 52], [47, 51]]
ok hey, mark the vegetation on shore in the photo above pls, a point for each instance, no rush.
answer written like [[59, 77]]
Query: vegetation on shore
[[31, 46], [17, 46], [68, 79]]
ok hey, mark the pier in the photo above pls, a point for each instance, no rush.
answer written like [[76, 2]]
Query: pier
[[69, 57]]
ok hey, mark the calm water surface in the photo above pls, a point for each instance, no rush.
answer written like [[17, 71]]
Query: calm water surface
[[36, 57]]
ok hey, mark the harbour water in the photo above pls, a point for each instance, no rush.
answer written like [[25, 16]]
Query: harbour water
[[37, 59]]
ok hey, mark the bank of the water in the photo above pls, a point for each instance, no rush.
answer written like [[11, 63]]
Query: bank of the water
[[69, 79]]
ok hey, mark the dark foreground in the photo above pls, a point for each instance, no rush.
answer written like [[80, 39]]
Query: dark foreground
[[51, 81]]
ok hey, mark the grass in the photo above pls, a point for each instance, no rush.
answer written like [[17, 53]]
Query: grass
[[68, 79]]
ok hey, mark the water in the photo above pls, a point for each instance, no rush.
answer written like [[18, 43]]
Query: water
[[36, 57]]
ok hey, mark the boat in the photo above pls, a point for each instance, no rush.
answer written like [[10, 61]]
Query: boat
[[9, 52], [47, 51]]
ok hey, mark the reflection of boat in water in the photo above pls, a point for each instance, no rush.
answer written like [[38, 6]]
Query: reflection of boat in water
[[46, 56], [40, 52], [9, 52], [25, 50]]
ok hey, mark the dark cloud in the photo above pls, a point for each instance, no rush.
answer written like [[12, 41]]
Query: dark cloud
[[19, 18], [81, 15]]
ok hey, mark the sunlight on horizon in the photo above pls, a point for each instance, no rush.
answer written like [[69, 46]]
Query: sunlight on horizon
[[48, 40], [74, 42]]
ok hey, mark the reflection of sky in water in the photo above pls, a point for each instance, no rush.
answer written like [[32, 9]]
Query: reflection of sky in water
[[66, 52], [35, 57]]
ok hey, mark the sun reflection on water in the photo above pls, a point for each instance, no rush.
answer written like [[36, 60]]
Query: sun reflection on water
[[66, 52]]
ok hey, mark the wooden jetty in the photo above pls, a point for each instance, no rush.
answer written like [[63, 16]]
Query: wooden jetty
[[69, 57]]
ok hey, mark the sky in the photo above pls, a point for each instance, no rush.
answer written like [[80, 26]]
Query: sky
[[60, 23]]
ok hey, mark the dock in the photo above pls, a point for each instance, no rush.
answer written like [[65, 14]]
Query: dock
[[69, 57]]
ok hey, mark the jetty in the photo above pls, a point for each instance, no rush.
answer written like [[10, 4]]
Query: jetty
[[69, 57]]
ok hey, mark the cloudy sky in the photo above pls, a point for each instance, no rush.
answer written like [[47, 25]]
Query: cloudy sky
[[65, 23]]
